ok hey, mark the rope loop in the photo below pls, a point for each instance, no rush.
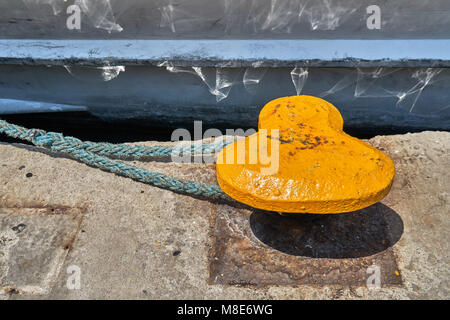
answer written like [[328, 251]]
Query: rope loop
[[95, 155]]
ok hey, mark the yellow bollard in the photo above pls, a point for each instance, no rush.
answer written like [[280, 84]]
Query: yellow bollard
[[302, 161]]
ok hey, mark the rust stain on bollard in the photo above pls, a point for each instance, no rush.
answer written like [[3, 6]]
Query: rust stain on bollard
[[319, 169], [258, 248]]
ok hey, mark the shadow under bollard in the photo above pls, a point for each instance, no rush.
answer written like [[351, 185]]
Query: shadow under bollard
[[357, 234]]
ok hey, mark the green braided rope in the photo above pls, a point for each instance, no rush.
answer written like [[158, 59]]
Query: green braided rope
[[91, 153], [114, 150]]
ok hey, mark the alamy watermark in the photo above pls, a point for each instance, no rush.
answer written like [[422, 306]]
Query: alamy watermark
[[373, 22], [74, 279], [74, 15], [374, 279], [260, 147], [73, 21]]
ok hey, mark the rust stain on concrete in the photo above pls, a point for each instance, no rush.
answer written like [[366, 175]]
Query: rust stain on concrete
[[35, 208], [258, 248]]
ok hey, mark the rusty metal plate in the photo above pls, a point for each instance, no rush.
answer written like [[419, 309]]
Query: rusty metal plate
[[260, 248]]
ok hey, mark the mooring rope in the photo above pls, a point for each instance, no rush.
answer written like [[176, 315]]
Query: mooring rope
[[95, 155]]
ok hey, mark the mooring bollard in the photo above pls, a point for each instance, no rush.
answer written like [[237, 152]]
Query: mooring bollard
[[313, 167], [300, 160]]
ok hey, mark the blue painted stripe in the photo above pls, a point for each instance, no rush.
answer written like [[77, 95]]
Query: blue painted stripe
[[232, 53]]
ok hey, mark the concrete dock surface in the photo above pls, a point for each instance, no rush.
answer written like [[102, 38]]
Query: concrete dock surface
[[70, 231]]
